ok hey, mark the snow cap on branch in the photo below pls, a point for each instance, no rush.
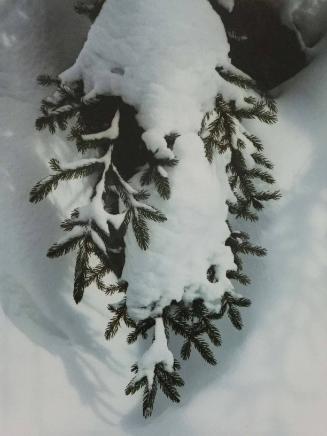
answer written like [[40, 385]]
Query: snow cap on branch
[[142, 57], [157, 353], [111, 133]]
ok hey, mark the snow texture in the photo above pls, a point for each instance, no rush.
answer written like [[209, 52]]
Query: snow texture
[[190, 241], [148, 47], [308, 18], [152, 47], [57, 374], [157, 353]]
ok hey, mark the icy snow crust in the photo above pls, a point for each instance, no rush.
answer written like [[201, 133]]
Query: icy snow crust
[[159, 56]]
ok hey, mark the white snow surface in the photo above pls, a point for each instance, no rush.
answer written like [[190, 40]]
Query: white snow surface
[[58, 376], [159, 56], [191, 240]]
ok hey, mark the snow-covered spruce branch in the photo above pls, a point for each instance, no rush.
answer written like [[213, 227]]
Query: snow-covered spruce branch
[[156, 367], [184, 278], [222, 131], [194, 315], [62, 106], [156, 173], [92, 228]]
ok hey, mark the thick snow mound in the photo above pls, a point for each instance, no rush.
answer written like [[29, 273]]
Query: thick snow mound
[[190, 241], [159, 56]]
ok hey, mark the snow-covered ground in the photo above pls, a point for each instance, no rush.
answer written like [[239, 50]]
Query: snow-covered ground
[[58, 376]]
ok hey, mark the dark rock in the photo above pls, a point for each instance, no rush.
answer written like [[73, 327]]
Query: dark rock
[[261, 45]]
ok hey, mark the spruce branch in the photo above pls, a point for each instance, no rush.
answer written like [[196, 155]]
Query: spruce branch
[[64, 247], [156, 368], [140, 329], [96, 273], [47, 80], [156, 173], [238, 79], [203, 348], [81, 267], [260, 159], [240, 277], [120, 286], [235, 317], [98, 228], [257, 110], [43, 188], [119, 315], [64, 104], [255, 141], [136, 211], [223, 130]]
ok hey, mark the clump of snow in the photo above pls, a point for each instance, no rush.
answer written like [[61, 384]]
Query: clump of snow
[[166, 53], [157, 353], [191, 240]]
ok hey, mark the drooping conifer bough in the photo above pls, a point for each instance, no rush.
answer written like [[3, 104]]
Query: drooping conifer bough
[[157, 114]]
